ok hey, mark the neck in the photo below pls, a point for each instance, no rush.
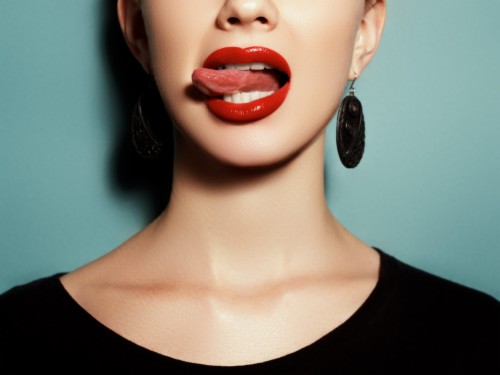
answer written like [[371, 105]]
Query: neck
[[227, 223]]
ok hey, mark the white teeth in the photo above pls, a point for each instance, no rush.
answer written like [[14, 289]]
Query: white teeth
[[261, 66], [254, 95], [252, 66], [237, 66], [246, 97]]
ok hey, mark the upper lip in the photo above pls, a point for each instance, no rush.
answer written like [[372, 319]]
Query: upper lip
[[256, 54]]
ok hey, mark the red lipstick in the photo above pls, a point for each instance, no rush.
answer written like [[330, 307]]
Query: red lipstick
[[257, 109]]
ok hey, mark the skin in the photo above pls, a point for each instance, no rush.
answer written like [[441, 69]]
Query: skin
[[247, 250]]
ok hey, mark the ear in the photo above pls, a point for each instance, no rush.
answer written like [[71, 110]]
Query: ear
[[368, 37], [133, 28]]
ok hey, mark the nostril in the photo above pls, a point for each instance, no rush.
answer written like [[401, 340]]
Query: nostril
[[237, 21]]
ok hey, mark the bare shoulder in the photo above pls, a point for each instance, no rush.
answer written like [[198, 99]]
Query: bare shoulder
[[98, 286]]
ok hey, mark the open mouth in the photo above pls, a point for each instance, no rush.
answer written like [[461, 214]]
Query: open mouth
[[243, 84], [240, 83]]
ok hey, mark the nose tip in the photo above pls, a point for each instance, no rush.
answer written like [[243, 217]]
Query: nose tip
[[255, 14]]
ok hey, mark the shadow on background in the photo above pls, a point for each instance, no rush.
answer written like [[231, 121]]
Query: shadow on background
[[130, 172]]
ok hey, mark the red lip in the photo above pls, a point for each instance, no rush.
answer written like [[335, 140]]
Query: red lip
[[257, 109]]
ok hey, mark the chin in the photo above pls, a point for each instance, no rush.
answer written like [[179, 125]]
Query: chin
[[254, 159], [270, 142], [247, 151]]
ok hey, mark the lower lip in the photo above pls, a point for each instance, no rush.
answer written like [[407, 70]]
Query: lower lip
[[248, 112]]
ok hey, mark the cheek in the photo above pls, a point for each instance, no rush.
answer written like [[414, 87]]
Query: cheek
[[176, 32], [325, 43]]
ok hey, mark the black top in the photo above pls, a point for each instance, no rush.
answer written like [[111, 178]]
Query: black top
[[412, 322]]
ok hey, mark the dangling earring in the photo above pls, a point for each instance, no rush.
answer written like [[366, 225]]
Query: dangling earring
[[145, 142], [351, 129]]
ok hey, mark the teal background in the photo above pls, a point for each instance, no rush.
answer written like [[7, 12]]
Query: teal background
[[427, 191]]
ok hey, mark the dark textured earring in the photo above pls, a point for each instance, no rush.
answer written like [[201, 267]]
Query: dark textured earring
[[145, 142], [351, 129]]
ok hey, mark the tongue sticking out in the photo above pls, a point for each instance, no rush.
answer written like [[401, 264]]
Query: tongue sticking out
[[229, 81]]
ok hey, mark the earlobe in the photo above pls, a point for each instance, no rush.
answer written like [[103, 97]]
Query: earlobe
[[368, 37], [132, 24]]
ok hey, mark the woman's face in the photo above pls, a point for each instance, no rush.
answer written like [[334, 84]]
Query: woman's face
[[320, 40]]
